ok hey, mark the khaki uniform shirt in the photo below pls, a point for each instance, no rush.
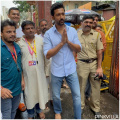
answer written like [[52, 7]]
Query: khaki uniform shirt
[[90, 44]]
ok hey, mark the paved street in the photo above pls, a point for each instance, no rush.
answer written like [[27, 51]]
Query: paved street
[[109, 107]]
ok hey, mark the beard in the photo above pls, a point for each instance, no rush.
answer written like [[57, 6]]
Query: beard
[[61, 22], [86, 29], [10, 39], [94, 26], [30, 34], [44, 30]]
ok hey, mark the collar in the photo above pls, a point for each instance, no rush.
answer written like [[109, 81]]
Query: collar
[[18, 26], [3, 44], [42, 35], [23, 37], [91, 32], [55, 29]]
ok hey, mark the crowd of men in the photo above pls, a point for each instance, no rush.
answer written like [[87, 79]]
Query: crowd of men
[[38, 63]]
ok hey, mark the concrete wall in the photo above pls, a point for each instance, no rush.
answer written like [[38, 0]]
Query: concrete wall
[[107, 14]]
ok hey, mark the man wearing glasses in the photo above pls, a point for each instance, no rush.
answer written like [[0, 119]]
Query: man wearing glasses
[[89, 63]]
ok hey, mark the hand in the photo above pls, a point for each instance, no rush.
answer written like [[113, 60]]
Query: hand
[[23, 84], [67, 39], [99, 72], [6, 93], [64, 36], [17, 39]]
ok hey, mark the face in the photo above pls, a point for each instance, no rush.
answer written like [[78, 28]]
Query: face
[[29, 30], [95, 22], [43, 27], [9, 34], [14, 15], [38, 30], [87, 25], [99, 28], [59, 16]]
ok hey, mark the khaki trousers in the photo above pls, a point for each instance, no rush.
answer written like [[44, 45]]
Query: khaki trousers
[[84, 70]]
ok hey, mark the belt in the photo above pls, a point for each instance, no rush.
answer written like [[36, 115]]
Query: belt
[[88, 60]]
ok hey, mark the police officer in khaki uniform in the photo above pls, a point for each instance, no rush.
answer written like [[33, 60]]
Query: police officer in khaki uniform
[[89, 63]]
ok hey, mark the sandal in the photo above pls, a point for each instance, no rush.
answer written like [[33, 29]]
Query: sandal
[[57, 116]]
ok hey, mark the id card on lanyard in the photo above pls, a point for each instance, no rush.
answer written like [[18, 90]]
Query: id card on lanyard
[[32, 63], [31, 51]]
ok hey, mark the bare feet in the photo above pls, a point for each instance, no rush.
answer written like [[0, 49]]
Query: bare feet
[[57, 116], [88, 98], [30, 118], [46, 106], [42, 115]]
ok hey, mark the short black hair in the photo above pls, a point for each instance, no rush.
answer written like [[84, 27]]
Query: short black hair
[[7, 22], [87, 17], [55, 6], [42, 20], [12, 8], [98, 16], [27, 22], [99, 26]]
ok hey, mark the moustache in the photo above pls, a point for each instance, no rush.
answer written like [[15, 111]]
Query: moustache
[[44, 29], [62, 20], [87, 26], [31, 32], [12, 37]]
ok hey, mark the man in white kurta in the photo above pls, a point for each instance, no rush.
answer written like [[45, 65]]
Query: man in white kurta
[[34, 76], [36, 90]]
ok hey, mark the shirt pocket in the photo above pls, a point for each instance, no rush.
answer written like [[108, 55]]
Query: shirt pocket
[[92, 45], [83, 45], [82, 42], [6, 61]]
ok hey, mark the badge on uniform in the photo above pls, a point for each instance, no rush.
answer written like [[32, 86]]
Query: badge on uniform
[[31, 63]]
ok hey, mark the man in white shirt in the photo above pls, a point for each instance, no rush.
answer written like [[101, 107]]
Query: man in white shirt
[[43, 26], [14, 15], [38, 32]]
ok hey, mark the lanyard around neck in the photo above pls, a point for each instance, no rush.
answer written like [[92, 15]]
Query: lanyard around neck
[[14, 57], [33, 48]]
